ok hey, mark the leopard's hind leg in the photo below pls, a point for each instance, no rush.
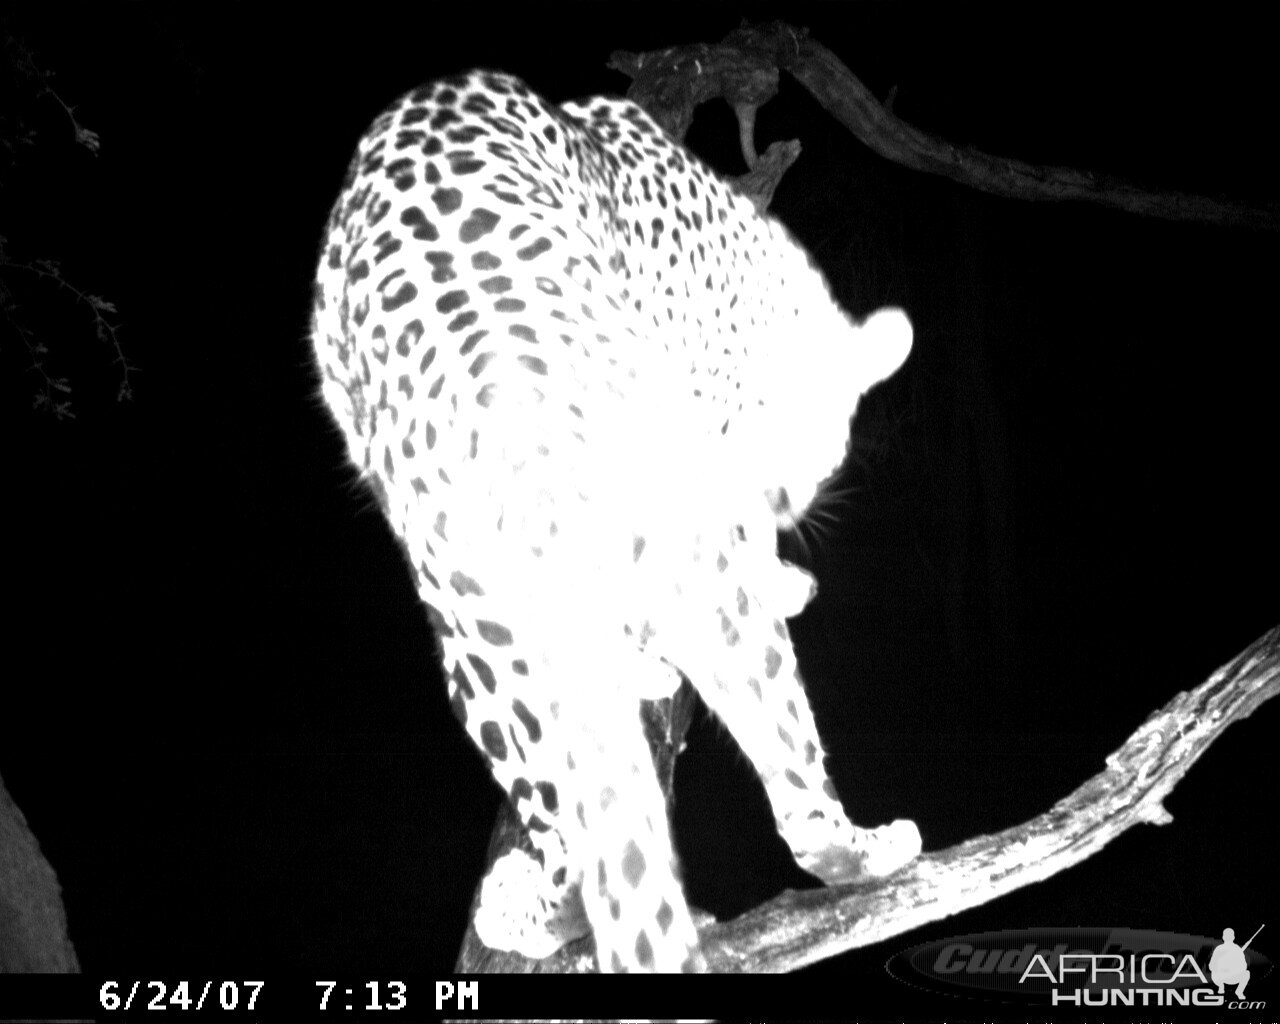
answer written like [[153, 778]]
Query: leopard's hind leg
[[550, 691]]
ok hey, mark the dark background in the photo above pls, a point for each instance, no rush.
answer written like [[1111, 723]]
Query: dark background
[[235, 747]]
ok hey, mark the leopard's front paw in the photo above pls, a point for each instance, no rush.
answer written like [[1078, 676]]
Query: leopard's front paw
[[891, 847], [873, 852]]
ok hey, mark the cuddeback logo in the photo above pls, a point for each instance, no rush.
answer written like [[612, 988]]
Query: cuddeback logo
[[1089, 967]]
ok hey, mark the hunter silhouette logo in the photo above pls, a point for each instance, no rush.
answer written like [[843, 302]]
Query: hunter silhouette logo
[[1227, 965]]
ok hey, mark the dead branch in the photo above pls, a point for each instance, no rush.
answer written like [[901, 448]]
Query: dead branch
[[798, 928], [801, 928], [744, 67]]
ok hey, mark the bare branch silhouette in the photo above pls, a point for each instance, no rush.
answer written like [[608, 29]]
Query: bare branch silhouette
[[744, 68]]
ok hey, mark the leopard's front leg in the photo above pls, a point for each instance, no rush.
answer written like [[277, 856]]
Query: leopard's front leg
[[752, 683]]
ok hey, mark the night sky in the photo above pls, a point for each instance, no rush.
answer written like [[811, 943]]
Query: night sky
[[236, 749]]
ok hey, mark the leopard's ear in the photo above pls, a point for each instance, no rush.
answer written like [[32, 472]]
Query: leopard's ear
[[884, 344]]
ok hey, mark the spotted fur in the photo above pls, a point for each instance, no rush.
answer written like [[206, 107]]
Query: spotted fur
[[587, 382]]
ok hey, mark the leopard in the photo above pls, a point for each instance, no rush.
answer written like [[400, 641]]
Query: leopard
[[588, 383]]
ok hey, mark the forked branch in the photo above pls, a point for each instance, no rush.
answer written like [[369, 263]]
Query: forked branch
[[796, 929], [744, 67]]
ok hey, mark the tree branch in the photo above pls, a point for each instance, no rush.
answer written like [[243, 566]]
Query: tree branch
[[739, 68], [798, 928]]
